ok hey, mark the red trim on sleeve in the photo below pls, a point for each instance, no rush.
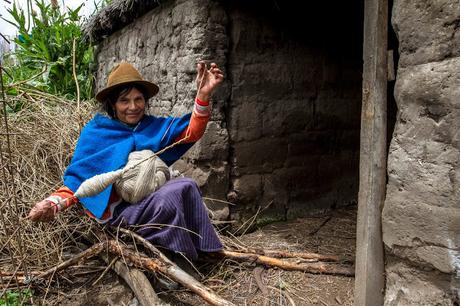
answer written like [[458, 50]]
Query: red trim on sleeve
[[202, 103], [65, 193], [198, 122]]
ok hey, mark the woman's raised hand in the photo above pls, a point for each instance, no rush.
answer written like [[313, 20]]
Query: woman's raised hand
[[207, 79]]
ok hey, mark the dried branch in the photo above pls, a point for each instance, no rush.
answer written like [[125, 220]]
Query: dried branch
[[284, 254], [170, 270], [315, 268], [88, 253]]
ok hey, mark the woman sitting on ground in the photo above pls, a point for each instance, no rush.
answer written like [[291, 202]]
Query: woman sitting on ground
[[174, 216]]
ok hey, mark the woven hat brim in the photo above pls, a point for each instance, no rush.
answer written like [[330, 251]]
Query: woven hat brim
[[150, 89]]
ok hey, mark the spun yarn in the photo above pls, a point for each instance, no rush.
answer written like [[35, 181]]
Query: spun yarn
[[97, 183], [139, 180]]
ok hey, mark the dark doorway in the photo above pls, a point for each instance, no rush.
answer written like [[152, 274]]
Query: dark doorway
[[294, 114]]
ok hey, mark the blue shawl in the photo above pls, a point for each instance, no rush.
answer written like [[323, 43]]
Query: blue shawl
[[104, 145]]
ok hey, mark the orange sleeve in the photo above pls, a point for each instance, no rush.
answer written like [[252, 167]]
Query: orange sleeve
[[61, 194], [198, 122]]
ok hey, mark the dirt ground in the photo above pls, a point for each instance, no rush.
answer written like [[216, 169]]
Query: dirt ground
[[331, 234]]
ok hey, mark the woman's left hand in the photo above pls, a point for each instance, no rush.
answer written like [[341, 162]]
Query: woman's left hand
[[43, 211], [207, 80]]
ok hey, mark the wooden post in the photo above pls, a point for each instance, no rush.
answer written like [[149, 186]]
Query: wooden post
[[370, 280]]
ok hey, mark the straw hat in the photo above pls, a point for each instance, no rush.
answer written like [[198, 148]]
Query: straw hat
[[123, 74]]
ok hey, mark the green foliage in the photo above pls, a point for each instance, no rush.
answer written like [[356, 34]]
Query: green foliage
[[104, 3], [13, 298], [44, 54]]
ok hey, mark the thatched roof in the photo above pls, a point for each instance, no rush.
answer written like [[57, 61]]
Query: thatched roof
[[115, 16]]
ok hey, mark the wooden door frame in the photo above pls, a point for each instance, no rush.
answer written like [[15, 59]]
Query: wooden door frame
[[370, 279]]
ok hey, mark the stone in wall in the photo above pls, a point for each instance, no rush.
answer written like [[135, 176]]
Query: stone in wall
[[427, 31], [421, 214], [259, 156], [422, 208], [410, 286]]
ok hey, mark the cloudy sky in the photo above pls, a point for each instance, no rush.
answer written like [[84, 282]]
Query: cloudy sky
[[7, 29]]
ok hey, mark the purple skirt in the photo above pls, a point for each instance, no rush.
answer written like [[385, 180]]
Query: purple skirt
[[174, 217]]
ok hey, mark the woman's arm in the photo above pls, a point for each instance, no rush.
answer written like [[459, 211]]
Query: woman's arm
[[197, 126], [58, 201]]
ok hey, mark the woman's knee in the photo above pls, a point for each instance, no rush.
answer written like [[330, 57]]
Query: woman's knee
[[187, 181], [182, 184]]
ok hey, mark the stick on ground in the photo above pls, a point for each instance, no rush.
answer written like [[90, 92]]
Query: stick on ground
[[315, 268], [283, 254]]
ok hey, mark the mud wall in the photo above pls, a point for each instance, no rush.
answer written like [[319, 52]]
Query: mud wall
[[285, 125], [294, 112], [421, 215]]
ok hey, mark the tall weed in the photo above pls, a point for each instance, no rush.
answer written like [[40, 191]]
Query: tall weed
[[43, 57]]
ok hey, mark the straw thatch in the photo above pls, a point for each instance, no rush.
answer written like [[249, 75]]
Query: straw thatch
[[115, 16]]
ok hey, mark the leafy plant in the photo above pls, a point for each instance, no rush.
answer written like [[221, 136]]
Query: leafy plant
[[44, 54], [16, 298]]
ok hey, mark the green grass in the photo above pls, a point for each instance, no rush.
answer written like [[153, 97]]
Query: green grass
[[13, 297]]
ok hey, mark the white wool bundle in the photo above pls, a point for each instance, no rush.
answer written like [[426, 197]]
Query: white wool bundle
[[139, 181], [97, 183]]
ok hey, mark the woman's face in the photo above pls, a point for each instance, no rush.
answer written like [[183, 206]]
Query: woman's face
[[130, 107]]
